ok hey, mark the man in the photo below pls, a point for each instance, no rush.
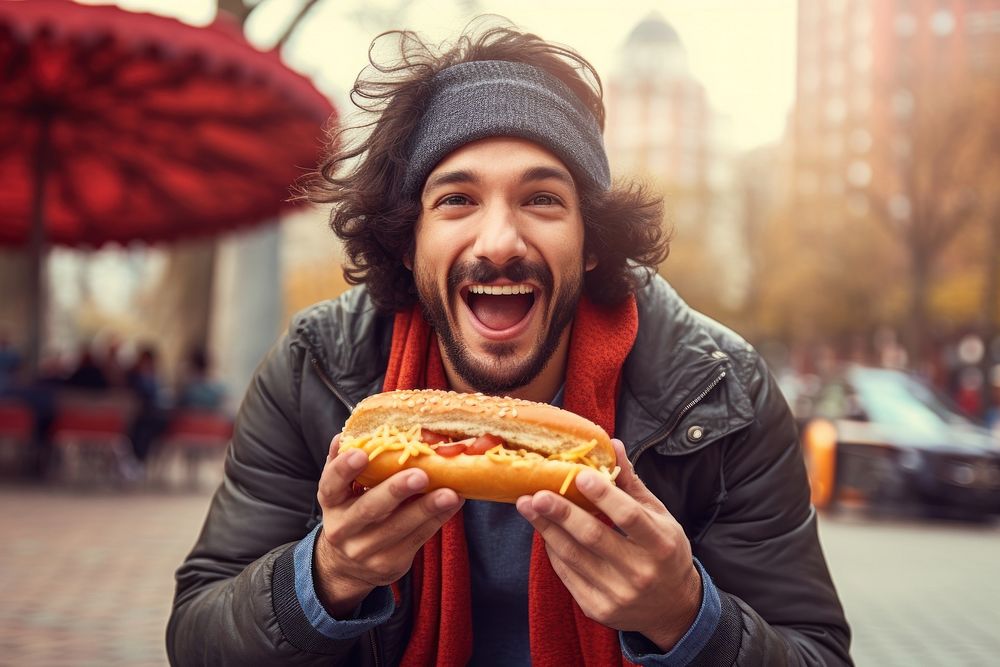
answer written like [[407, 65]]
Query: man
[[495, 255]]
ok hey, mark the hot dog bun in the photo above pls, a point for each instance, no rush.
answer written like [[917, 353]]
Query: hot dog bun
[[545, 447]]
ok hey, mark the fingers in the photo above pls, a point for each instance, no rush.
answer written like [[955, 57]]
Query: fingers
[[648, 529], [382, 499], [588, 552], [633, 515], [338, 474], [627, 475], [566, 528], [396, 536], [595, 592], [334, 447], [620, 454], [424, 518], [627, 480]]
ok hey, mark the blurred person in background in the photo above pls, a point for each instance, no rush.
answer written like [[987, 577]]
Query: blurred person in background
[[144, 381], [198, 391], [10, 363], [36, 396], [88, 374], [486, 168], [116, 362]]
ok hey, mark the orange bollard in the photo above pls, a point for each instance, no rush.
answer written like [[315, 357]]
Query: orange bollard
[[820, 448]]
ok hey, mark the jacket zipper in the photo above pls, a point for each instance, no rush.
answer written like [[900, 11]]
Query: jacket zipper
[[373, 637], [325, 379], [665, 433]]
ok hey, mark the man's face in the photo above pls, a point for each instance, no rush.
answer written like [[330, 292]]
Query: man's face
[[498, 260]]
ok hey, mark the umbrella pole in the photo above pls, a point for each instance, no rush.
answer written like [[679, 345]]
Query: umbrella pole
[[38, 283]]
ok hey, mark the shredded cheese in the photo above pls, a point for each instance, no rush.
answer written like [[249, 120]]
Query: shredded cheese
[[407, 443], [501, 454], [575, 454], [388, 438], [569, 478]]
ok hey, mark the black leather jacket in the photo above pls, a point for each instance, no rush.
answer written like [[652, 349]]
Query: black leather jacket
[[701, 418]]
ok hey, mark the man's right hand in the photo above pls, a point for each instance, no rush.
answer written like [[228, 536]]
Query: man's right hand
[[370, 540]]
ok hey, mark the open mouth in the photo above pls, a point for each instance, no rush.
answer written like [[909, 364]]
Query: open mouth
[[500, 308]]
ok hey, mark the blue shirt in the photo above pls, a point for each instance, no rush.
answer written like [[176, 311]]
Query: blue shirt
[[499, 543]]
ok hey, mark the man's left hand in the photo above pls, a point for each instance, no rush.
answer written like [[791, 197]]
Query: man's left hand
[[641, 579]]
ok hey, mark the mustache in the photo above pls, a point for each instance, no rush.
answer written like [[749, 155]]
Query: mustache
[[483, 271]]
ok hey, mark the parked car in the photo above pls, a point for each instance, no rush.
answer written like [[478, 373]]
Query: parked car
[[888, 439]]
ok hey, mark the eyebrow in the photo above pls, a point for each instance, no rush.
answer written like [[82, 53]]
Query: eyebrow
[[450, 178], [545, 173], [530, 175]]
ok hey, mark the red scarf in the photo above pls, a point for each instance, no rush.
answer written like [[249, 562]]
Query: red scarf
[[442, 629]]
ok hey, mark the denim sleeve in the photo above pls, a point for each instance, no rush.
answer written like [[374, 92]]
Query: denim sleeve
[[373, 610], [639, 650]]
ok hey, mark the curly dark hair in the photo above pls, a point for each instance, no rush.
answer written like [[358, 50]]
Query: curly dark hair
[[623, 226]]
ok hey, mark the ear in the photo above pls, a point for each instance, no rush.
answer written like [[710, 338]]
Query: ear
[[591, 262], [410, 250], [411, 247]]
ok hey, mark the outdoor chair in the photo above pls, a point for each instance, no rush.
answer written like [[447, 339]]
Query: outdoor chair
[[90, 437], [193, 436], [17, 422]]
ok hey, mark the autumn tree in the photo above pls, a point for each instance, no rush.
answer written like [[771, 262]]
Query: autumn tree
[[930, 182]]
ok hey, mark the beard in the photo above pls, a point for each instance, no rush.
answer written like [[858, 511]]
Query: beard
[[498, 371]]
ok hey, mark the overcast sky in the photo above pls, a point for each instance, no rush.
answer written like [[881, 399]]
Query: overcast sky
[[742, 50]]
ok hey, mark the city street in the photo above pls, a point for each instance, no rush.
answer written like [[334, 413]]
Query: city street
[[87, 580]]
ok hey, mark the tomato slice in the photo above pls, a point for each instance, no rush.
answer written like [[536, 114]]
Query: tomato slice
[[453, 449], [484, 443], [432, 438], [446, 446]]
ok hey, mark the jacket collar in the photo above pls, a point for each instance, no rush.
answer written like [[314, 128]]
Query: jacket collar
[[681, 388], [347, 342]]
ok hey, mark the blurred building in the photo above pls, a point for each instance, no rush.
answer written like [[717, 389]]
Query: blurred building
[[864, 67], [659, 120], [661, 128]]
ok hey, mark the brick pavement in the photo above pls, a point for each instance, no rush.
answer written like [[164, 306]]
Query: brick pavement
[[87, 579], [917, 593]]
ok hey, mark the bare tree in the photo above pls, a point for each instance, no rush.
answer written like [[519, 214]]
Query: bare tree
[[929, 188]]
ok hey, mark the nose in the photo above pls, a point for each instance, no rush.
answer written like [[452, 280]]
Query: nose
[[499, 238]]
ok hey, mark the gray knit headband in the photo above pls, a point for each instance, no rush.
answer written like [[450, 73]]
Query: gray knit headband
[[498, 98]]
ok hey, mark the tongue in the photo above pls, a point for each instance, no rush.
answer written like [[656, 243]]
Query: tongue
[[500, 312]]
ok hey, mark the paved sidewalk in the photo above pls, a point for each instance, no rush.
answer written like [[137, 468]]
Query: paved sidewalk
[[917, 593], [87, 580]]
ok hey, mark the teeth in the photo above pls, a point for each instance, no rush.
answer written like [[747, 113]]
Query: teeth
[[501, 289]]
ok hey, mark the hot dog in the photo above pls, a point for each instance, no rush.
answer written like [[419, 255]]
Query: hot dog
[[483, 447]]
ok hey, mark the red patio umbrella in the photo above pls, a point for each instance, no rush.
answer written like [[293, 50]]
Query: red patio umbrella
[[118, 126]]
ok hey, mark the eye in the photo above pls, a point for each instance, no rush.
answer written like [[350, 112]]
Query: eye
[[544, 199], [454, 200]]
